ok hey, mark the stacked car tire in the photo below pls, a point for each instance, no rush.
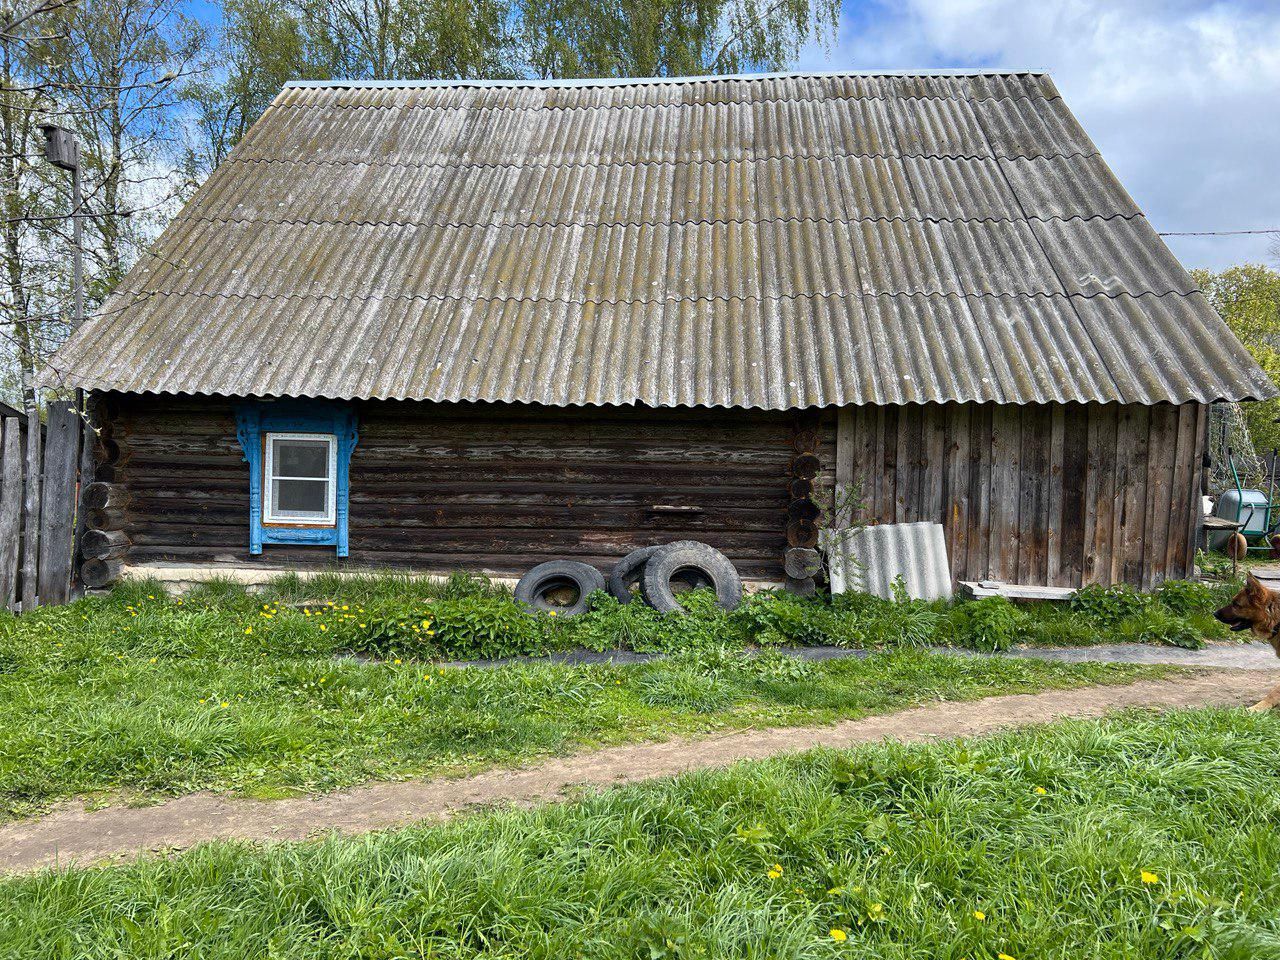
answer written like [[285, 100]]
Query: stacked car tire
[[657, 575]]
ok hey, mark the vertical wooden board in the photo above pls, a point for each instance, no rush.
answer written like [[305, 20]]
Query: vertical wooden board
[[888, 449], [1197, 484], [910, 464], [1162, 452], [1054, 480], [935, 465], [10, 509], [1033, 517], [58, 501], [1100, 493], [31, 470], [1076, 519], [846, 455], [955, 485], [978, 557], [865, 468], [1006, 458], [1133, 450], [1183, 500]]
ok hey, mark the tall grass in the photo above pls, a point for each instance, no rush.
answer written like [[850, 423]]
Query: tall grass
[[1139, 837]]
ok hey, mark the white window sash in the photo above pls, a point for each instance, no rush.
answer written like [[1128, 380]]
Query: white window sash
[[269, 512]]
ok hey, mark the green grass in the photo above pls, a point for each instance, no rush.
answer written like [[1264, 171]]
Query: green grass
[[145, 696], [1146, 837]]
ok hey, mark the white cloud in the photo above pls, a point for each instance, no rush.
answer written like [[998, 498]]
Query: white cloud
[[1182, 98]]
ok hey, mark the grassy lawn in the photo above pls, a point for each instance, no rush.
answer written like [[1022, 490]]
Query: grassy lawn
[[1136, 837], [143, 695]]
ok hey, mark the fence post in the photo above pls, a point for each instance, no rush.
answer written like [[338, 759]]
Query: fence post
[[10, 509], [58, 505]]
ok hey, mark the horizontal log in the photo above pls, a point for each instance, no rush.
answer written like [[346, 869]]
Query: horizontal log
[[802, 533], [105, 496], [802, 587], [804, 509], [802, 562], [104, 544], [805, 466], [105, 519], [321, 558], [97, 574]]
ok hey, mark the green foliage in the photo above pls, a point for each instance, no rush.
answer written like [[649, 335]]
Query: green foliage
[[1156, 624], [1248, 299], [1108, 606], [470, 627], [1136, 836], [990, 624]]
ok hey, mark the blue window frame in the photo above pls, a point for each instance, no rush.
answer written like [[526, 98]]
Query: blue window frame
[[299, 456]]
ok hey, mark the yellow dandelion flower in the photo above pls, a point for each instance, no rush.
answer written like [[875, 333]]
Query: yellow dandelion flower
[[1003, 956], [835, 891], [153, 659], [248, 629], [431, 633], [224, 705], [979, 915], [442, 671], [876, 910], [1041, 791], [838, 935], [323, 627], [774, 874], [323, 679], [551, 613], [345, 607], [1149, 877], [397, 660], [205, 700]]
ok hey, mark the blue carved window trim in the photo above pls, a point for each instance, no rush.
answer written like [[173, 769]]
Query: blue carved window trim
[[254, 420]]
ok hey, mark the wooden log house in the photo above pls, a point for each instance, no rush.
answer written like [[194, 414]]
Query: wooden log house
[[478, 325]]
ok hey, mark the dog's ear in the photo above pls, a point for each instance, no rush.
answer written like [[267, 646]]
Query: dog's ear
[[1254, 586]]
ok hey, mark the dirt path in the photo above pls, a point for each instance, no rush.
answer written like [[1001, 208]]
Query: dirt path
[[71, 833]]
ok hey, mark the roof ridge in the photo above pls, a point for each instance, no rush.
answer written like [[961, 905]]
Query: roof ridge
[[653, 81]]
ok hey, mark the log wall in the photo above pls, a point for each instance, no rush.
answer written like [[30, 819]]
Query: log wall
[[1061, 495], [496, 488]]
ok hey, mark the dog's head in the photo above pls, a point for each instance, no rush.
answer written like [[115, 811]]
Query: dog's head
[[1252, 609]]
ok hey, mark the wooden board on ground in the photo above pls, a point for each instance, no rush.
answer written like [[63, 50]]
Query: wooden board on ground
[[1014, 591]]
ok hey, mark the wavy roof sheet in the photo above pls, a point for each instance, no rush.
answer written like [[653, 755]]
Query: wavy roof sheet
[[762, 241]]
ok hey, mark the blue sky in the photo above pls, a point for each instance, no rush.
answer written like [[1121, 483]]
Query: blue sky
[[1181, 96]]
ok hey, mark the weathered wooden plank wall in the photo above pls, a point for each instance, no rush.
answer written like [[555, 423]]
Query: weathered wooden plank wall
[[1059, 495], [481, 487]]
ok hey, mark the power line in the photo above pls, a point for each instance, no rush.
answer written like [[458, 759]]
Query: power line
[[1216, 233]]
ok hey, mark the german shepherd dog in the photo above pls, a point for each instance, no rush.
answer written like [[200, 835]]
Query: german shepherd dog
[[1256, 608]]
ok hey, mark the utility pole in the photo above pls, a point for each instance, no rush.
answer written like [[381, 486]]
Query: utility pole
[[54, 566], [63, 151]]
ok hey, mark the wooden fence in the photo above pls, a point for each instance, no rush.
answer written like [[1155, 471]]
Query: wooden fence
[[40, 471]]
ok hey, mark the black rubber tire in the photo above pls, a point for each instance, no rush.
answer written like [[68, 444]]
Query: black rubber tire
[[535, 587], [677, 561], [627, 572]]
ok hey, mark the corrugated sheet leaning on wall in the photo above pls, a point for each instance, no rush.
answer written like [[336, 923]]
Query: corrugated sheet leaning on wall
[[773, 242]]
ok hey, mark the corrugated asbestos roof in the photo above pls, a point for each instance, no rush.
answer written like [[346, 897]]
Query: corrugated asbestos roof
[[773, 241]]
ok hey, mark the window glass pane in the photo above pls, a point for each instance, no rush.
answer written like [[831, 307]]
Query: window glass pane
[[300, 458], [300, 496]]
